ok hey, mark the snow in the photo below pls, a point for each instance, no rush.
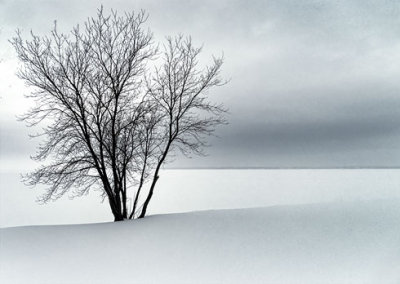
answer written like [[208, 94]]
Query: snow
[[339, 242], [192, 190]]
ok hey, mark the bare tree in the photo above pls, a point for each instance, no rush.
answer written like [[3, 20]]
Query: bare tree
[[178, 90], [110, 121]]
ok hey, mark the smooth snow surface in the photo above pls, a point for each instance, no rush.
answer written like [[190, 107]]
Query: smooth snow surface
[[193, 190], [349, 242]]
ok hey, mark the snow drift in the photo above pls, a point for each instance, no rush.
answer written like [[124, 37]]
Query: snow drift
[[357, 242]]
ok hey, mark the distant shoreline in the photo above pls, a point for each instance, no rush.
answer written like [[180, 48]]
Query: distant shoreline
[[281, 168], [19, 171]]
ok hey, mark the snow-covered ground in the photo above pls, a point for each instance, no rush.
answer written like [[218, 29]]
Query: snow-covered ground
[[341, 242], [194, 190]]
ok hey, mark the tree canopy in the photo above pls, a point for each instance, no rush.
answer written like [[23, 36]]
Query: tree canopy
[[114, 107]]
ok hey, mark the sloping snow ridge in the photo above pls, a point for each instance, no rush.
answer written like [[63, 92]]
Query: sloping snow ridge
[[354, 242]]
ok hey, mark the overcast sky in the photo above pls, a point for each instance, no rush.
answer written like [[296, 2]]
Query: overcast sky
[[312, 83]]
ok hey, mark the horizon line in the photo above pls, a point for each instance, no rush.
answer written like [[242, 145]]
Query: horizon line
[[282, 168]]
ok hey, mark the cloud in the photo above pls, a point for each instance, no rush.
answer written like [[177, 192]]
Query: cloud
[[312, 82]]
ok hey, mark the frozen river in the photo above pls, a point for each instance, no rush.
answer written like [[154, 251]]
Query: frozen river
[[192, 190]]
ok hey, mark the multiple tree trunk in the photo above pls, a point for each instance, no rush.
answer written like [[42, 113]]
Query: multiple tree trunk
[[111, 120]]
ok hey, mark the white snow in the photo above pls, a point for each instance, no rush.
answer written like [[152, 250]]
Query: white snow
[[342, 242], [194, 190]]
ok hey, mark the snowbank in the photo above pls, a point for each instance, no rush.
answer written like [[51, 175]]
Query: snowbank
[[320, 243]]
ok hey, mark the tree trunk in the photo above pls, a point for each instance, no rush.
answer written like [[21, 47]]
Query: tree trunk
[[146, 203], [115, 209], [118, 218], [117, 215]]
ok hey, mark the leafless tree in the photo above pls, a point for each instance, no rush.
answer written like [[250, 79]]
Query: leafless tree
[[111, 116]]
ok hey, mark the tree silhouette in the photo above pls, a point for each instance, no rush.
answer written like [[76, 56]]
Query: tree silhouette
[[114, 108]]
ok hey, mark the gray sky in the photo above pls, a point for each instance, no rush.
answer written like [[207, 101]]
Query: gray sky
[[313, 83]]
